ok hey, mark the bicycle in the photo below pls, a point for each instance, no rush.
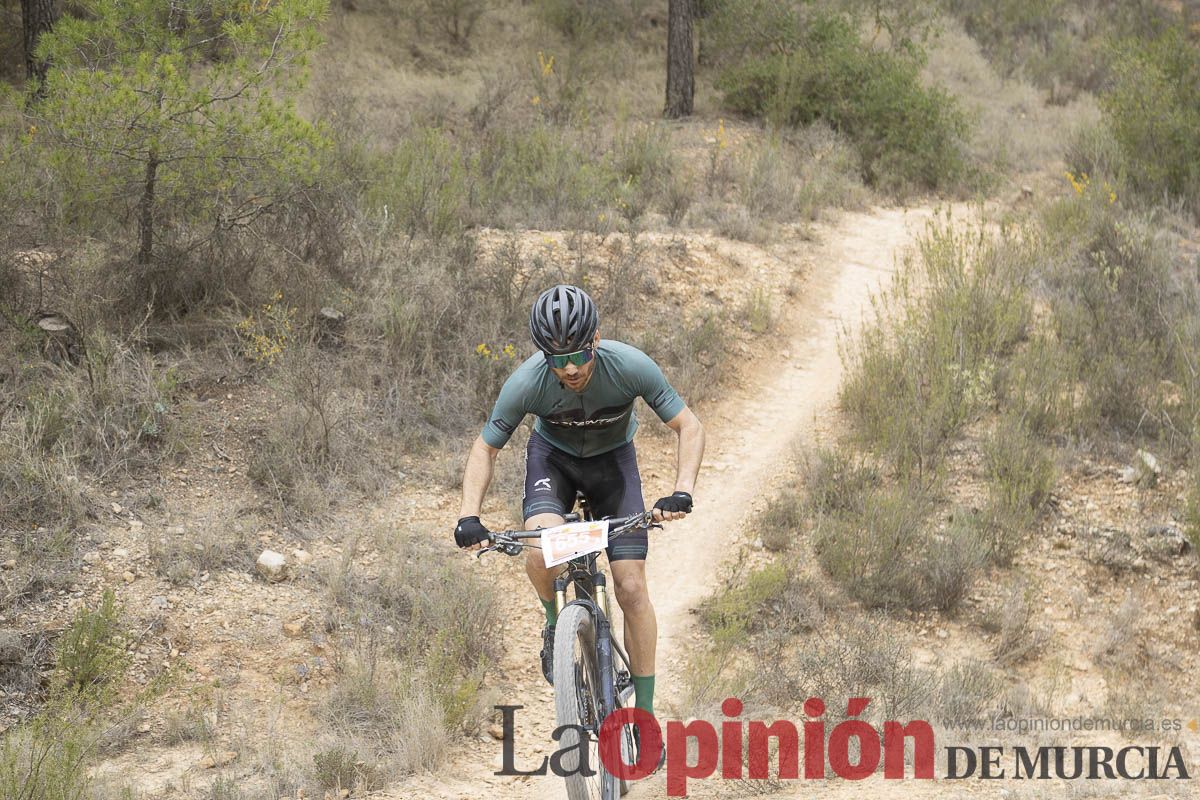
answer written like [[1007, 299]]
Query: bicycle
[[588, 683]]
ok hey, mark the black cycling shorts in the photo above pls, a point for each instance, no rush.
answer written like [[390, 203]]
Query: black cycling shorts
[[609, 481]]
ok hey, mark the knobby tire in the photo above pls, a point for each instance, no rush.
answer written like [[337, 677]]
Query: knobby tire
[[577, 699]]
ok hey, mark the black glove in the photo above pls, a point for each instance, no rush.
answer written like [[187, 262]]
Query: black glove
[[469, 531], [680, 501]]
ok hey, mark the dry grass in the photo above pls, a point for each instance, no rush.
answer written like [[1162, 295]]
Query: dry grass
[[1018, 133], [205, 546], [420, 638], [1013, 620]]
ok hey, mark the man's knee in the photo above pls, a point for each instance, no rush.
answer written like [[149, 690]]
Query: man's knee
[[631, 591]]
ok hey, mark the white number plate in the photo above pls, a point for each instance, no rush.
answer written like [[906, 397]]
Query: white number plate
[[562, 543]]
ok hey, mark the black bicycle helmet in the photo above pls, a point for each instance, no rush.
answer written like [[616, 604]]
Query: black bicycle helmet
[[563, 320]]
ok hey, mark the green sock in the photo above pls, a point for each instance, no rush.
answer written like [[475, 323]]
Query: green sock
[[551, 612], [643, 692]]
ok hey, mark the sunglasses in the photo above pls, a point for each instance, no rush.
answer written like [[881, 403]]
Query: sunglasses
[[578, 358]]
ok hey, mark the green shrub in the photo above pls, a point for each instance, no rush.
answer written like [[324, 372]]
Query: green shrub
[[907, 135], [1020, 476], [926, 365], [46, 756], [1118, 307], [950, 563], [1037, 386], [540, 177], [91, 652], [838, 483], [872, 553], [1153, 110], [421, 187], [740, 610], [1094, 150], [780, 523], [589, 21]]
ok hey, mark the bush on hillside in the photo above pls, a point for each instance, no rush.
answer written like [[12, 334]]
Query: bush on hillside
[[908, 135], [1123, 313], [926, 366], [1062, 46], [1153, 110]]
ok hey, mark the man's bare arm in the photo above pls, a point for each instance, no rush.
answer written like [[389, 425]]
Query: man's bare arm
[[689, 454], [477, 477]]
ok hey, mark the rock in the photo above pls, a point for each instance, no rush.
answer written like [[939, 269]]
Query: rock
[[128, 576], [296, 627], [1147, 469], [160, 603], [117, 509], [91, 558], [302, 556], [10, 564], [12, 649], [496, 732], [1166, 542], [120, 552], [272, 566], [220, 759]]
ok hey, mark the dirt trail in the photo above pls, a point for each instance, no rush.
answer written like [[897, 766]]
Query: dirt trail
[[752, 433]]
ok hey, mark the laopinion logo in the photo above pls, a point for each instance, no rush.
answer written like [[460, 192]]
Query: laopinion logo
[[853, 749]]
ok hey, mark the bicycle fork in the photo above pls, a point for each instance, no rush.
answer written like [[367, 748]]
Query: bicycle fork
[[604, 649], [597, 605]]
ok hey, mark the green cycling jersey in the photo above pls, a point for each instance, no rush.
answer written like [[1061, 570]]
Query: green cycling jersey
[[587, 423]]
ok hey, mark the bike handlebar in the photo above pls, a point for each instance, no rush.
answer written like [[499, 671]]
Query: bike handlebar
[[510, 542]]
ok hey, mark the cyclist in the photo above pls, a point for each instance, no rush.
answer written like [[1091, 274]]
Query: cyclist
[[582, 389]]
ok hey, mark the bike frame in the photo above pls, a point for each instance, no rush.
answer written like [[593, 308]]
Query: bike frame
[[591, 582]]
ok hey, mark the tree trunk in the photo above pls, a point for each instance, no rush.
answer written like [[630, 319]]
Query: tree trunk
[[146, 212], [681, 86], [37, 17]]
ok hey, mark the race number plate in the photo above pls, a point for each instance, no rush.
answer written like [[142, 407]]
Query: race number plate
[[564, 542]]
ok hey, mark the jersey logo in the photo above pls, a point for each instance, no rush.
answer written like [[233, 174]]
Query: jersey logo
[[601, 418], [504, 425], [538, 487]]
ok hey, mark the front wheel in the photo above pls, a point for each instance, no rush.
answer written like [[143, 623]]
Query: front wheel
[[577, 701]]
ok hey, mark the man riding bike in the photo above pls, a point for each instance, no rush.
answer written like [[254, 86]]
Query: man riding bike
[[582, 389]]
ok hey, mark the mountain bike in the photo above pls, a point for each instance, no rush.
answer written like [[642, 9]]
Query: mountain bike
[[591, 668]]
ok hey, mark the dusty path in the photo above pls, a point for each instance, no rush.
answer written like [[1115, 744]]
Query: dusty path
[[752, 434]]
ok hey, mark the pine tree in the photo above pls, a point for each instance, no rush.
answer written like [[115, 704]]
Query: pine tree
[[177, 112]]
